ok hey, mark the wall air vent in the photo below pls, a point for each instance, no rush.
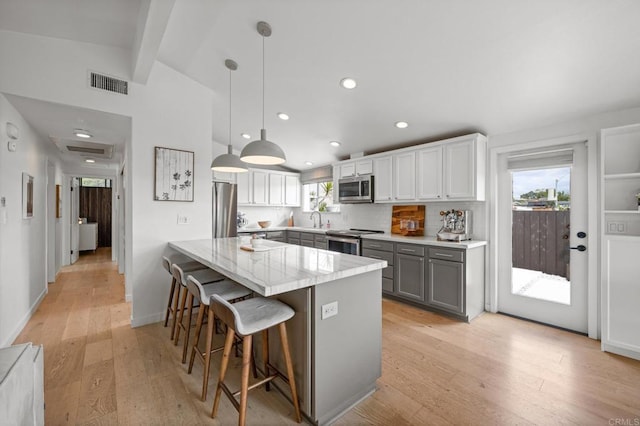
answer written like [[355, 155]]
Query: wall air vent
[[110, 84], [96, 151]]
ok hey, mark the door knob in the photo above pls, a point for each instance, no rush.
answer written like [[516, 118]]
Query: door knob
[[579, 248], [582, 234]]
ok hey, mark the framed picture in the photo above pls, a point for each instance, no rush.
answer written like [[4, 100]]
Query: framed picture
[[27, 196], [58, 201], [173, 175]]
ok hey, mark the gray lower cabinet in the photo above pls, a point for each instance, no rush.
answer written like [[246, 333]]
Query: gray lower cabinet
[[444, 279], [446, 285], [382, 250], [277, 236], [410, 282]]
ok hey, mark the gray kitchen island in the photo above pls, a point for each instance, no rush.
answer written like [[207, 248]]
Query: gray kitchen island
[[336, 333]]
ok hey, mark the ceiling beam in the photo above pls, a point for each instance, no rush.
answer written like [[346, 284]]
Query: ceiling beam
[[152, 23]]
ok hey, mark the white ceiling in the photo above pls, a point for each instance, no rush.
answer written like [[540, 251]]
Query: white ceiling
[[56, 123], [446, 67]]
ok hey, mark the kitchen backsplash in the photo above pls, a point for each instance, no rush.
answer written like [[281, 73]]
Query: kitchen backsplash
[[378, 216], [366, 216]]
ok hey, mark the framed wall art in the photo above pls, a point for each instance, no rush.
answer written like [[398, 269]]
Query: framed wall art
[[173, 175], [27, 196]]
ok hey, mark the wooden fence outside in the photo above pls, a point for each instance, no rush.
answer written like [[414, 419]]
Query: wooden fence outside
[[95, 205], [538, 241]]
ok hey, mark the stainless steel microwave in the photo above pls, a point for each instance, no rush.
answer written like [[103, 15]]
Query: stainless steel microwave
[[357, 189]]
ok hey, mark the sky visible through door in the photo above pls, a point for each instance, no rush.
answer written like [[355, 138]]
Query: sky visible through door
[[541, 201]]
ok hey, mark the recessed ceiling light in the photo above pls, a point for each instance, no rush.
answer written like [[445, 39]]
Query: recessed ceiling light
[[348, 83], [402, 124], [308, 163], [246, 135], [82, 133], [89, 160], [335, 143], [283, 116]]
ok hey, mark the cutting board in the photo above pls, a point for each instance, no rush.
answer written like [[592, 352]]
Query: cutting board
[[266, 245], [404, 213]]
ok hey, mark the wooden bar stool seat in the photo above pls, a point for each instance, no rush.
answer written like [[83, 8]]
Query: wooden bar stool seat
[[246, 318], [204, 276], [227, 290], [187, 265]]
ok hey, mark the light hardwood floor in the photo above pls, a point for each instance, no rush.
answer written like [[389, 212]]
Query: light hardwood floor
[[496, 370]]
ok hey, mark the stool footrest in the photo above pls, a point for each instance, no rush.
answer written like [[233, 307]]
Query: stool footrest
[[258, 383]]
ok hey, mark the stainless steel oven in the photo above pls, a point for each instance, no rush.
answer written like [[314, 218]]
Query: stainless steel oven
[[348, 245], [347, 240]]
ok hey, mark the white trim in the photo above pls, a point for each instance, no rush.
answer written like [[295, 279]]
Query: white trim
[[20, 326], [593, 238], [147, 319]]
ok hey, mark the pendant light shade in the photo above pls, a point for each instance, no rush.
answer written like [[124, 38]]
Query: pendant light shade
[[229, 163], [262, 151]]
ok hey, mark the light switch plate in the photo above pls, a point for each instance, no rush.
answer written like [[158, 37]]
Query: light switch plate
[[183, 220]]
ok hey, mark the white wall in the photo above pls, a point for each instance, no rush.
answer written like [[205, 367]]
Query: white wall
[[23, 252], [170, 111]]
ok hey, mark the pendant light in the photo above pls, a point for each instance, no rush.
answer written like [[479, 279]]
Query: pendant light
[[263, 151], [228, 162]]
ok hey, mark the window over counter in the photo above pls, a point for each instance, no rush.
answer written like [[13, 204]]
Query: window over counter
[[319, 196]]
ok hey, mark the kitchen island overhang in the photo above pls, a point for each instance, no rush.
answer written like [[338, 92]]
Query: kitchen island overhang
[[337, 358]]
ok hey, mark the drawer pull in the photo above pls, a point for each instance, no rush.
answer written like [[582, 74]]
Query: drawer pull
[[375, 245], [374, 257], [408, 250], [443, 254]]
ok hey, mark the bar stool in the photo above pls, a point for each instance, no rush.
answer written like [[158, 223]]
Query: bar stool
[[187, 265], [247, 318], [204, 276], [227, 290]]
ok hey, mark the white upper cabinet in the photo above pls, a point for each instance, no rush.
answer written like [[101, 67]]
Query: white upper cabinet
[[276, 189], [404, 182], [292, 190], [383, 179], [259, 184], [261, 187], [429, 165], [459, 166], [356, 168], [452, 169]]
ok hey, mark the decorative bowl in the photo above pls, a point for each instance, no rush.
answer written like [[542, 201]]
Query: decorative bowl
[[264, 223]]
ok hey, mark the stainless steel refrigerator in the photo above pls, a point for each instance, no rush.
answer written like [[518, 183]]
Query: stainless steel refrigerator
[[224, 209]]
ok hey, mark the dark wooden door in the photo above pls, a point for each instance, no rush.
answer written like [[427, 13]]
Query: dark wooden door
[[95, 205]]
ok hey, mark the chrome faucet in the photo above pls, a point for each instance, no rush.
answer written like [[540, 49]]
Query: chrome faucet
[[319, 219]]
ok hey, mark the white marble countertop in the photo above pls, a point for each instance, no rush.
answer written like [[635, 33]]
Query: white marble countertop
[[427, 241], [285, 268]]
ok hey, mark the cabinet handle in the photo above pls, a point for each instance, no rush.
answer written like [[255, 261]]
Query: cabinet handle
[[408, 250], [375, 245], [443, 254], [374, 257], [438, 196]]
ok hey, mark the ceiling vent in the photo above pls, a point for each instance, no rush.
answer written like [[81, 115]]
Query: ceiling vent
[[96, 151], [110, 84]]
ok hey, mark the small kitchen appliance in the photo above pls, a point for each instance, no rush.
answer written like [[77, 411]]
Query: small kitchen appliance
[[456, 225]]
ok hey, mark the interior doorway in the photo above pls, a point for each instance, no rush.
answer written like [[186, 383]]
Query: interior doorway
[[543, 211]]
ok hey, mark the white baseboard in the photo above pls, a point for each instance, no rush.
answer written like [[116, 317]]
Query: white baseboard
[[25, 319], [147, 319]]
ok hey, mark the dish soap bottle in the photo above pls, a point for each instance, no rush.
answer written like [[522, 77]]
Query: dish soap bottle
[[328, 225], [290, 222]]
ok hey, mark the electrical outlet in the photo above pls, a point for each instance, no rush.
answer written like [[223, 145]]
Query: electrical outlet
[[329, 310], [183, 220]]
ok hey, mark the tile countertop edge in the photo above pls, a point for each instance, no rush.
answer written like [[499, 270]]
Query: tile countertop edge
[[284, 287], [426, 241]]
